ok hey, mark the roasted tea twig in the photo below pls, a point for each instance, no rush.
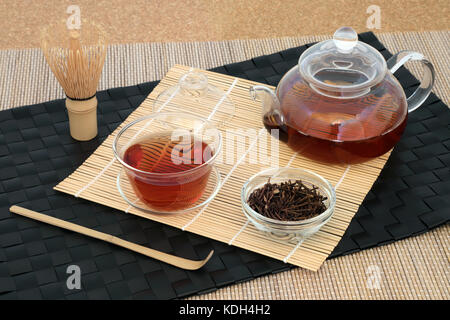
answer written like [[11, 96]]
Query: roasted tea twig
[[287, 201]]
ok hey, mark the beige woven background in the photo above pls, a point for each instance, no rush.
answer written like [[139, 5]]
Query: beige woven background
[[134, 21], [414, 268]]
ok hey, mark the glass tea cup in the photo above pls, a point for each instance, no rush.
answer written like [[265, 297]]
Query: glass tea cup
[[168, 159]]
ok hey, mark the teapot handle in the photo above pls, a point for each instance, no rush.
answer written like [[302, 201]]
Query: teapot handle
[[421, 94]]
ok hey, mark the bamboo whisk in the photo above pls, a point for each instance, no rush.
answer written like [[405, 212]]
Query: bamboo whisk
[[76, 58]]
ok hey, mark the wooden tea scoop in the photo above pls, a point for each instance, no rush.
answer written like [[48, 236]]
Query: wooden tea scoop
[[167, 258]]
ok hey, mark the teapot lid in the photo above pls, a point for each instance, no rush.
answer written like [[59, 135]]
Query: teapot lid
[[342, 67]]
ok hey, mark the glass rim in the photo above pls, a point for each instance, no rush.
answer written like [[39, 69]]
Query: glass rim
[[153, 116], [299, 223]]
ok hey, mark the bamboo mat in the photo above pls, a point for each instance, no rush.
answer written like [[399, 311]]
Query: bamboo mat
[[414, 268]]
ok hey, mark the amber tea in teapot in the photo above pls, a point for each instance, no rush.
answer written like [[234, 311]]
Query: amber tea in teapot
[[342, 103], [364, 128]]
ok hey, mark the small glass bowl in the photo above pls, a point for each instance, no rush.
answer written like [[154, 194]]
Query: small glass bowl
[[169, 192], [288, 231]]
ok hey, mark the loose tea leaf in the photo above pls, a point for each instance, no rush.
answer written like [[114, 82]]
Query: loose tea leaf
[[287, 201]]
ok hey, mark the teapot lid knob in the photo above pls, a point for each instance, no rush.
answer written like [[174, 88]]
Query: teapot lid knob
[[345, 39]]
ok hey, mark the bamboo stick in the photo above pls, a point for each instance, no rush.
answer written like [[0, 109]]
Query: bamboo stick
[[152, 253]]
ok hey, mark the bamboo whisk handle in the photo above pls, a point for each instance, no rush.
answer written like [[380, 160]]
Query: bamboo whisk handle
[[82, 118]]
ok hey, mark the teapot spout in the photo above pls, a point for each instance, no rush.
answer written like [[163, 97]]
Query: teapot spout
[[268, 98], [272, 116]]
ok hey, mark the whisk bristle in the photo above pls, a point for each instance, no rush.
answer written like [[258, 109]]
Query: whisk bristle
[[76, 64]]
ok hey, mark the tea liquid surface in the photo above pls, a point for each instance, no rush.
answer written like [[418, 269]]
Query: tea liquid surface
[[181, 176]]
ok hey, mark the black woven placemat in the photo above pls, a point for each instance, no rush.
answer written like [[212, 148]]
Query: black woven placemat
[[410, 197]]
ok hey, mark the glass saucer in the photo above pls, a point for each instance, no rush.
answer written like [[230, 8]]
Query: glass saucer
[[127, 193]]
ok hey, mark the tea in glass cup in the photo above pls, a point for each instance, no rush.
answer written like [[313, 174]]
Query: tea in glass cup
[[168, 158]]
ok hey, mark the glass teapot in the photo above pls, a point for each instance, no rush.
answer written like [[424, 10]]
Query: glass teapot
[[342, 103]]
